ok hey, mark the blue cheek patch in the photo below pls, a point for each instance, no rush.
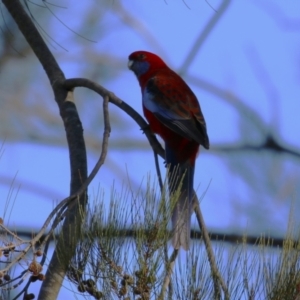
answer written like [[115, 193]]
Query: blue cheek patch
[[141, 67]]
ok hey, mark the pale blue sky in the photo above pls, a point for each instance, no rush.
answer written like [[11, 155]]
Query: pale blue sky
[[250, 53]]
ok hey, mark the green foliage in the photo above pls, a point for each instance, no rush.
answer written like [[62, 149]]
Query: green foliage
[[116, 261]]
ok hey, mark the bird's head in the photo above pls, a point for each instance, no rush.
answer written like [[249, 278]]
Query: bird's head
[[140, 62]]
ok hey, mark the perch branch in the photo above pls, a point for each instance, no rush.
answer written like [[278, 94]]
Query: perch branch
[[217, 278], [83, 82]]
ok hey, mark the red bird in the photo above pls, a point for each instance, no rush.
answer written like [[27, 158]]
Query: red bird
[[173, 112]]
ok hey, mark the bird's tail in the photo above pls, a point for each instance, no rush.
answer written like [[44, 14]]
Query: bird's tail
[[181, 177]]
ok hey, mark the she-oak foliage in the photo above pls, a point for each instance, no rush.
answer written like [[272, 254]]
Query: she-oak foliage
[[110, 259]]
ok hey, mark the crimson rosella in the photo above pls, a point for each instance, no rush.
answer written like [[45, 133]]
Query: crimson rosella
[[173, 112]]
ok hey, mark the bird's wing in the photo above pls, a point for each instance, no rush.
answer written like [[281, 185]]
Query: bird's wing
[[174, 104]]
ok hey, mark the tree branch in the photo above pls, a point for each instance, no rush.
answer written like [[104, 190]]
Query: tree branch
[[35, 41], [83, 82], [270, 144], [169, 272], [67, 242], [59, 210], [216, 275], [203, 35]]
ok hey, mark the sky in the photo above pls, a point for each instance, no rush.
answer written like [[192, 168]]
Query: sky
[[252, 53]]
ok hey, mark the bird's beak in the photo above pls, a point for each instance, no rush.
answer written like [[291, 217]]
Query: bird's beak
[[130, 63]]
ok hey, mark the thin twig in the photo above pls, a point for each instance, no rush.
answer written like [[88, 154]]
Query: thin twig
[[158, 173], [166, 259], [65, 202], [217, 278], [12, 234], [100, 162], [24, 290], [35, 41], [203, 35], [226, 95], [269, 144], [217, 237], [83, 82], [167, 279]]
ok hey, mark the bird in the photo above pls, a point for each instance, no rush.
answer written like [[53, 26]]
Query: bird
[[173, 112]]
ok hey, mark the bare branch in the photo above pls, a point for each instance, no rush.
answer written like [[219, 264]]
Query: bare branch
[[78, 161], [270, 144], [35, 41], [59, 210], [169, 272], [203, 36], [83, 82], [216, 275]]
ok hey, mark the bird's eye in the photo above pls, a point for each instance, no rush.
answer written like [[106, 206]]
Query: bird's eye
[[142, 56]]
